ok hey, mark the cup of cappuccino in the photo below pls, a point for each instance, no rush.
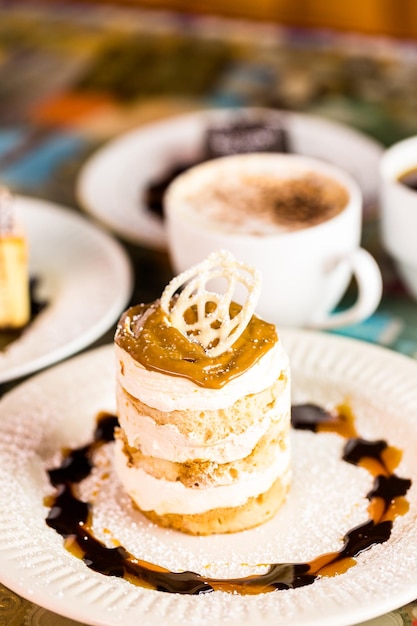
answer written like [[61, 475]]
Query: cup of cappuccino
[[296, 219], [398, 202]]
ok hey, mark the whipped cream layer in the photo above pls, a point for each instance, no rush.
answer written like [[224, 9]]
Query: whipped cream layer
[[165, 441], [175, 393], [164, 497]]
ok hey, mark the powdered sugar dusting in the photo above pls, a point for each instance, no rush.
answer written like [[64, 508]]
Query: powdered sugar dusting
[[284, 539]]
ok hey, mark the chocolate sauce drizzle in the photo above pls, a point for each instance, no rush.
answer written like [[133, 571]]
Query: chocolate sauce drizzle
[[72, 518]]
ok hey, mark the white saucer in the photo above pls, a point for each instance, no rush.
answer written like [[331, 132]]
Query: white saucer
[[83, 275], [57, 409], [112, 181]]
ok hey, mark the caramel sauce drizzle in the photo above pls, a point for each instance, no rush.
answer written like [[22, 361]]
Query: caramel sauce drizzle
[[144, 332], [72, 518]]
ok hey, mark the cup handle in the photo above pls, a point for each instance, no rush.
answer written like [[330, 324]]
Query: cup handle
[[369, 281]]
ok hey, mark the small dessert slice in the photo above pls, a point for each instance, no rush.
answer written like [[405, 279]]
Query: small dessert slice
[[14, 275], [203, 400]]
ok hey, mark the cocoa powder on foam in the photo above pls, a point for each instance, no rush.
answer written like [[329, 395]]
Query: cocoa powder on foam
[[262, 204]]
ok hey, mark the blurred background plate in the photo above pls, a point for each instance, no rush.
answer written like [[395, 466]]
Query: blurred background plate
[[112, 183], [82, 274]]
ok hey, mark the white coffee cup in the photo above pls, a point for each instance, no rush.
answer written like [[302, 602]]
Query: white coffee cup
[[305, 270], [399, 210]]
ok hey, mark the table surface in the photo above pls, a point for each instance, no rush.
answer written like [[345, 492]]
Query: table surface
[[61, 99]]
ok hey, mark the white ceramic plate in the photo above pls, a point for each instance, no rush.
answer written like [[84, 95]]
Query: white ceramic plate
[[83, 274], [57, 409], [112, 181]]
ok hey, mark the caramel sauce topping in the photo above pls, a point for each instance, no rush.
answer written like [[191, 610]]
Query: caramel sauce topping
[[145, 333]]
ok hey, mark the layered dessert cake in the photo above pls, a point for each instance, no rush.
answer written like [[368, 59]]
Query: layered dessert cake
[[14, 273], [203, 401]]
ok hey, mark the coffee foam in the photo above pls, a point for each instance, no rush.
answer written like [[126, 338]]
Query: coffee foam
[[262, 204]]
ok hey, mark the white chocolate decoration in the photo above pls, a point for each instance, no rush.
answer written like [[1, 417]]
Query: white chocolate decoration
[[214, 329]]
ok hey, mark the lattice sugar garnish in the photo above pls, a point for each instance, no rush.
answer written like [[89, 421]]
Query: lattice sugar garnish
[[204, 316]]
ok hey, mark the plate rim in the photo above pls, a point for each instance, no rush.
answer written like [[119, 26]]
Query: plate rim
[[292, 338], [91, 334]]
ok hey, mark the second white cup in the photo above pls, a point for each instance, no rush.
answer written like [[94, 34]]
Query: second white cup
[[296, 219], [398, 200]]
